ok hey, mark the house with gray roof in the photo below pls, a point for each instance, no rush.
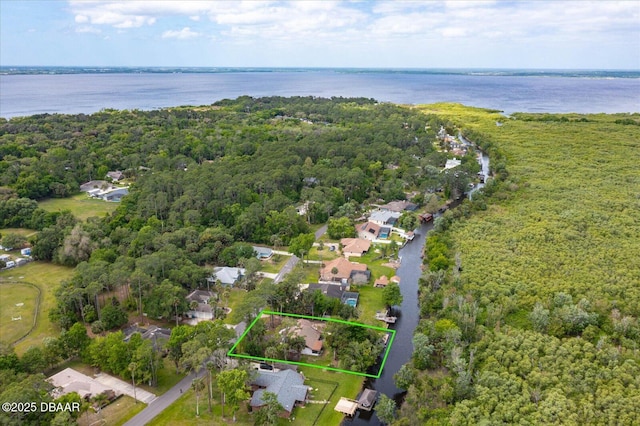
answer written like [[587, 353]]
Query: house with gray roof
[[384, 217], [263, 253], [287, 385], [227, 275]]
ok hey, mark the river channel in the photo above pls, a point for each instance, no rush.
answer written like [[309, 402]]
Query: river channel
[[408, 316], [408, 313]]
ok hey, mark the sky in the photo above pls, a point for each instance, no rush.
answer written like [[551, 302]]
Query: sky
[[363, 34]]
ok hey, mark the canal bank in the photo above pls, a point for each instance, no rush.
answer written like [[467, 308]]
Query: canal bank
[[408, 316]]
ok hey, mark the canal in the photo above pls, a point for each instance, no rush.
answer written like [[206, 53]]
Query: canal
[[409, 312], [408, 316]]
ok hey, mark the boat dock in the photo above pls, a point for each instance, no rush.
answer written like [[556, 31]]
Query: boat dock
[[367, 400], [383, 316]]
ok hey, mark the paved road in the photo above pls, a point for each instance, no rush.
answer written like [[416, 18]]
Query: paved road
[[288, 267], [320, 232], [162, 402]]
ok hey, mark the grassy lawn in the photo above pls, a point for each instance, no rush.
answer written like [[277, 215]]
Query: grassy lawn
[[20, 231], [235, 297], [374, 264], [312, 273], [183, 412], [369, 303], [80, 205], [323, 390], [46, 276], [116, 413], [274, 264], [167, 378], [348, 386], [324, 255], [16, 301]]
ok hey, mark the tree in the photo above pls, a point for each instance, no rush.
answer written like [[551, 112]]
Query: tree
[[386, 409], [539, 318], [13, 241], [342, 227], [391, 295], [113, 316], [405, 377], [267, 415], [422, 351], [232, 384], [301, 244], [76, 247]]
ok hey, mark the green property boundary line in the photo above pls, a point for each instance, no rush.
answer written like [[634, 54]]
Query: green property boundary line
[[339, 370]]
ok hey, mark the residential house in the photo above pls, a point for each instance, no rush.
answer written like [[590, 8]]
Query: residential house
[[262, 253], [344, 271], [372, 231], [452, 164], [312, 334], [287, 385], [384, 217], [333, 290], [202, 309], [111, 193], [70, 380], [399, 206], [158, 335], [354, 246], [94, 184], [227, 275], [115, 175]]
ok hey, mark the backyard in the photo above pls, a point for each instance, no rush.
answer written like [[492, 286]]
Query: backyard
[[80, 205]]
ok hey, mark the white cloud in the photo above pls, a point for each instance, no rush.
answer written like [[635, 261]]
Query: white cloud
[[309, 21], [183, 34], [88, 29]]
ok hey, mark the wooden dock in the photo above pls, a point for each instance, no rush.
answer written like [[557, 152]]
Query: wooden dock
[[383, 316]]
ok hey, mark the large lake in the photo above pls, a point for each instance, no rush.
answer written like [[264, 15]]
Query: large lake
[[586, 92]]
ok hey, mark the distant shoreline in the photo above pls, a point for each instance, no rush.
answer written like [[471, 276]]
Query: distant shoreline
[[497, 72]]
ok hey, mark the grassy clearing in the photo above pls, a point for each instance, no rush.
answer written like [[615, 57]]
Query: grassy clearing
[[374, 263], [12, 295], [46, 276], [324, 255], [369, 303], [348, 386], [80, 205], [274, 264], [235, 298], [167, 378], [20, 231], [183, 412], [116, 413], [323, 390]]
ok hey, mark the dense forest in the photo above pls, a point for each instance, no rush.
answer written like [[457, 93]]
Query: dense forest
[[530, 295], [204, 182]]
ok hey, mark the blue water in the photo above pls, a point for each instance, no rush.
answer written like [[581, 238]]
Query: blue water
[[90, 91]]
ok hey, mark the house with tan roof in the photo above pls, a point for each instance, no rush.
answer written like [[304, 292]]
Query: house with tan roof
[[354, 246], [372, 231], [344, 270], [312, 334]]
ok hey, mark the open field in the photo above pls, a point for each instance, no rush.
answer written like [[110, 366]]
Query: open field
[[46, 276], [80, 205], [274, 264], [20, 231], [17, 300]]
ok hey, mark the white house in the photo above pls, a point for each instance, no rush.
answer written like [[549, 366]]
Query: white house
[[112, 193]]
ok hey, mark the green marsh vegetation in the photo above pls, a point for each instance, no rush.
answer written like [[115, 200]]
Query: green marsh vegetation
[[534, 317]]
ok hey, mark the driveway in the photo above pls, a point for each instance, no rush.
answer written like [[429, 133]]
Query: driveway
[[124, 387], [288, 267]]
